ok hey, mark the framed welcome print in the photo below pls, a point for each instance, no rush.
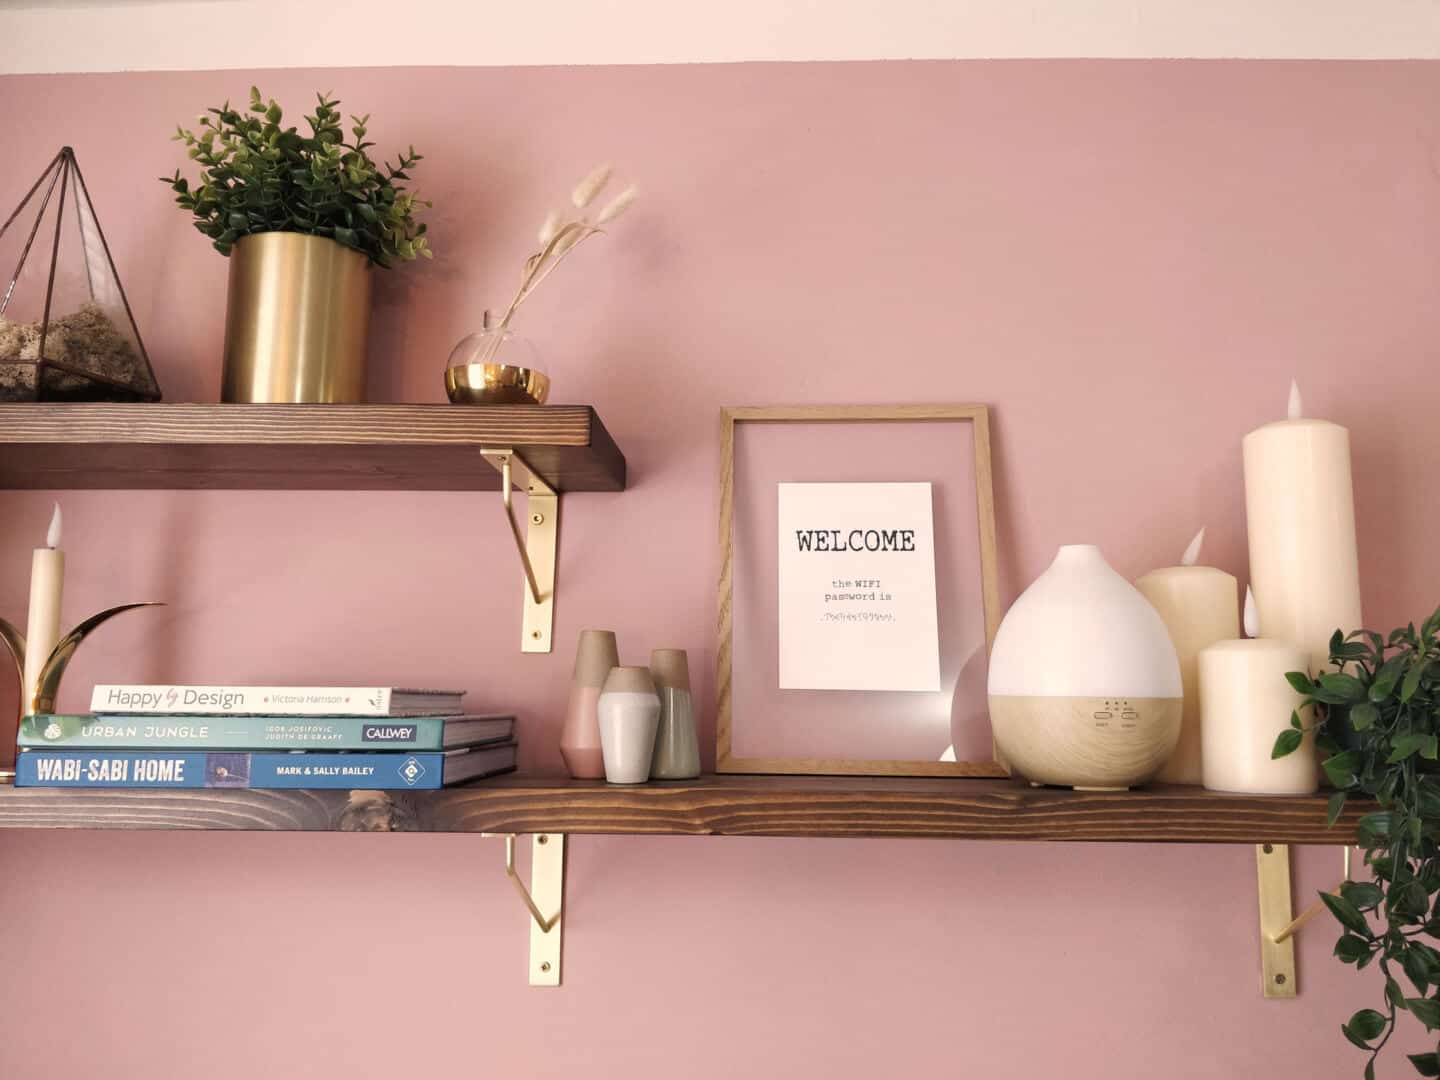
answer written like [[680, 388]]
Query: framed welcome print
[[857, 590]]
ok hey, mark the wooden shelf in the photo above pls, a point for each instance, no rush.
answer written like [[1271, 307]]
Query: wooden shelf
[[306, 447], [712, 805]]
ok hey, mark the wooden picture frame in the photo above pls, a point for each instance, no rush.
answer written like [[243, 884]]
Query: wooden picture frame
[[978, 417]]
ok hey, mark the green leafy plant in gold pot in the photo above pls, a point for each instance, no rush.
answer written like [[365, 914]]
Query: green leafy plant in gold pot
[[304, 218], [1378, 720]]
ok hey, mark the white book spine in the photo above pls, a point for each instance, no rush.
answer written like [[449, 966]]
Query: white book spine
[[258, 700]]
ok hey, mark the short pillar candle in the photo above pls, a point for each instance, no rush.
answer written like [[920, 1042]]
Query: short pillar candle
[[1200, 606], [1245, 703]]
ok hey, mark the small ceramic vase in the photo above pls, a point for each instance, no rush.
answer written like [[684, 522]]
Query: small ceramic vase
[[677, 748], [595, 655], [629, 715]]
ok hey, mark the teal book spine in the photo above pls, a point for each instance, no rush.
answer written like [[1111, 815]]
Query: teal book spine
[[227, 769], [231, 732]]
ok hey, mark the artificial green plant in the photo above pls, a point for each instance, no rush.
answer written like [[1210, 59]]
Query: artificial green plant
[[259, 176], [1376, 718]]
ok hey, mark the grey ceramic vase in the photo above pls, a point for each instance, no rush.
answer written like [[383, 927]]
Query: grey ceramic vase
[[677, 747]]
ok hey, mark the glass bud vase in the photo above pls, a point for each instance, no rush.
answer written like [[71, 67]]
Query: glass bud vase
[[495, 366]]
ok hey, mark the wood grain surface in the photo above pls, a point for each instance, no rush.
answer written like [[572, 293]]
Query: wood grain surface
[[308, 447], [714, 806]]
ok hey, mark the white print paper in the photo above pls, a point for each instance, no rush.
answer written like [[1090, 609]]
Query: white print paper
[[857, 587]]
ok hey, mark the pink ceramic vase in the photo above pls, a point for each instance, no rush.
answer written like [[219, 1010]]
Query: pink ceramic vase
[[595, 655]]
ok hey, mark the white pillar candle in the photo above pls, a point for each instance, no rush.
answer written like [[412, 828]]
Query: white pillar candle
[[1200, 606], [1245, 703], [42, 631], [1300, 510]]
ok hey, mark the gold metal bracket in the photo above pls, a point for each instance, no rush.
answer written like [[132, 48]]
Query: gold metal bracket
[[537, 546], [546, 893], [1277, 927]]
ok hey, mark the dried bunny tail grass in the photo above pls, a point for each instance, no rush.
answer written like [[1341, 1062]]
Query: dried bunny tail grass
[[549, 228], [618, 205], [585, 192], [565, 241]]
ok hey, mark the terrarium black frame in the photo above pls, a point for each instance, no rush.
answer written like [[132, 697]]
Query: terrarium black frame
[[90, 353]]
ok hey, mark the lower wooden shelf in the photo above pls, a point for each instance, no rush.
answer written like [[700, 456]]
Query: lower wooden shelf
[[711, 806]]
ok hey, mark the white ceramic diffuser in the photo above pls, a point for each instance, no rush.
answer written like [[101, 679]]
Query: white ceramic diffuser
[[1084, 683]]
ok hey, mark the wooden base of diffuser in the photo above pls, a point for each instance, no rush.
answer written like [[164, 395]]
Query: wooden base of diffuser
[[1086, 743]]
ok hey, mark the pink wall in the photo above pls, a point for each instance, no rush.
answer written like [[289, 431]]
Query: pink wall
[[1128, 261]]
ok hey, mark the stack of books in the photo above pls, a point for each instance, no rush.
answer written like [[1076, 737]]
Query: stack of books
[[359, 738]]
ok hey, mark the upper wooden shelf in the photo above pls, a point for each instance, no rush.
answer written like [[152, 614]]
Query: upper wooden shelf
[[310, 447], [712, 805]]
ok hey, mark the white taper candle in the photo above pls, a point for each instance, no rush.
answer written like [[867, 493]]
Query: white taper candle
[[47, 580]]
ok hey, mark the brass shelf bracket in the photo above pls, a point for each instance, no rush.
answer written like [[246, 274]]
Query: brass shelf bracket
[[1278, 925], [537, 546], [546, 893]]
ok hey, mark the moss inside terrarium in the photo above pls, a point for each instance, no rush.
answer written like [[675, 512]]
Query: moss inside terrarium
[[87, 358]]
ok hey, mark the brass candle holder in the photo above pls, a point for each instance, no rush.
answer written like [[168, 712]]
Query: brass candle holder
[[40, 698]]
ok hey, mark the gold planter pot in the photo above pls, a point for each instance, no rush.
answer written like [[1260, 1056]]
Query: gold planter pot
[[297, 320]]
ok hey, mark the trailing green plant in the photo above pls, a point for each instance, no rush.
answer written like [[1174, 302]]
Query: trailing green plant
[[1377, 720], [259, 176]]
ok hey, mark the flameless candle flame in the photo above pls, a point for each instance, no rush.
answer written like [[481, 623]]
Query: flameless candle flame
[[1293, 411], [52, 537], [1252, 617], [1192, 553]]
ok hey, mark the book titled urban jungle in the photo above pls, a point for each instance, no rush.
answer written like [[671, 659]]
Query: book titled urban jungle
[[182, 732]]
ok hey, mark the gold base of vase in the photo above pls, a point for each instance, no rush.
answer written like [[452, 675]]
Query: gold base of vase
[[297, 320], [496, 384]]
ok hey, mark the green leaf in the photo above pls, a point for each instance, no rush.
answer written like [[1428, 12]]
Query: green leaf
[[1415, 970], [1363, 716], [1345, 687], [1348, 914], [1333, 808], [1365, 895], [1287, 742], [1301, 682], [1426, 1010], [1370, 1069], [1412, 681], [1340, 768], [1367, 1023], [1355, 1037], [1404, 746], [1393, 994], [1408, 898], [1425, 1064], [1350, 948]]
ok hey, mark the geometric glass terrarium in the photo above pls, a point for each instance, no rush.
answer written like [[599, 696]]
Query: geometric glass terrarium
[[66, 332]]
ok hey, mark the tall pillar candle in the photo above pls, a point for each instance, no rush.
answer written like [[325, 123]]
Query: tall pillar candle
[[1245, 703], [1300, 511], [42, 629], [1200, 606]]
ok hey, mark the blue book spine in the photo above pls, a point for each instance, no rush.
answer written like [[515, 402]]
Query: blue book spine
[[193, 769], [233, 732]]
